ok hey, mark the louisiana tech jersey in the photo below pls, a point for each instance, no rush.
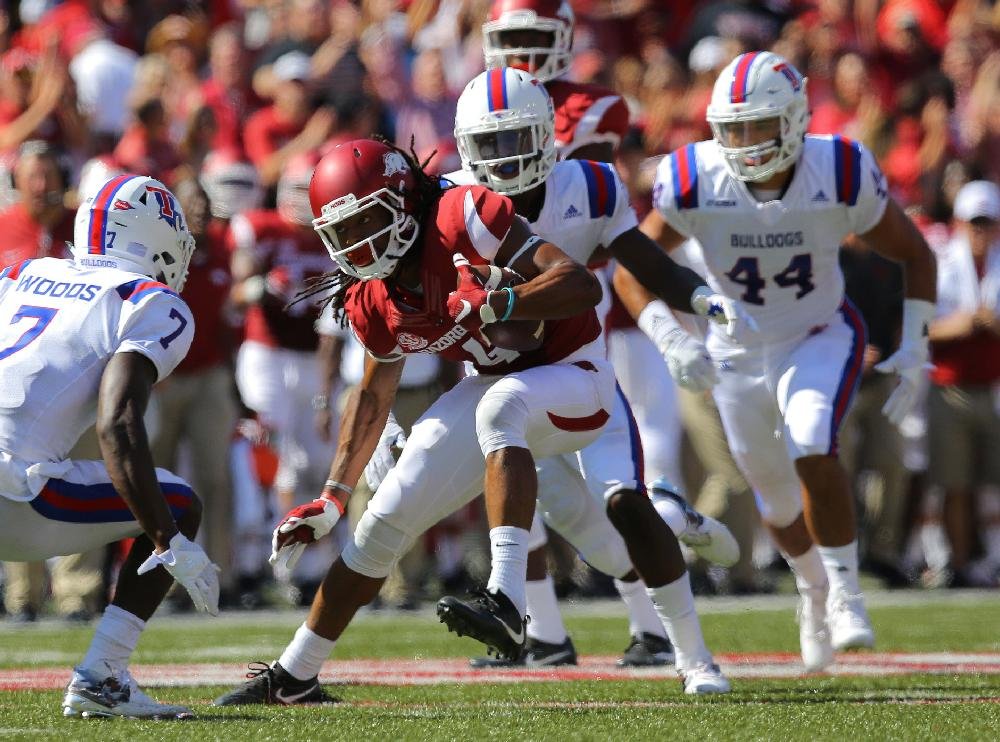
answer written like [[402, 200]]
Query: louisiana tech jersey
[[471, 221], [779, 257], [60, 324], [586, 206], [586, 114]]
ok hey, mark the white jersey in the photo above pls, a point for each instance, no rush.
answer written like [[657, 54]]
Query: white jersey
[[60, 324], [586, 206], [780, 258]]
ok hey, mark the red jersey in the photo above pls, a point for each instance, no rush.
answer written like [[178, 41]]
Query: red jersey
[[265, 134], [205, 292], [586, 114], [22, 238], [288, 255], [390, 322]]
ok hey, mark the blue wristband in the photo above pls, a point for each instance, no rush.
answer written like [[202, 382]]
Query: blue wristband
[[510, 304]]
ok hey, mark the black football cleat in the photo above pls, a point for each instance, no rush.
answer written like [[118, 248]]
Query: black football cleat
[[272, 684], [490, 618], [647, 650], [536, 654]]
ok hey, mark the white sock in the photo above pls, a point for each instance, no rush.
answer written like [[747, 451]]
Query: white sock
[[671, 512], [546, 624], [841, 563], [675, 605], [642, 618], [305, 653], [114, 640], [810, 575], [509, 551]]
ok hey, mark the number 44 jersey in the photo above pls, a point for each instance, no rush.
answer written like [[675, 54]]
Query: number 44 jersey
[[60, 324], [778, 257]]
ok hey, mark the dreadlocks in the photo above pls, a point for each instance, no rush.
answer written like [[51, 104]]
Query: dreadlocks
[[332, 287]]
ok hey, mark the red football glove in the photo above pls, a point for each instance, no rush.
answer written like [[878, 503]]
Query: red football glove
[[468, 304], [303, 525]]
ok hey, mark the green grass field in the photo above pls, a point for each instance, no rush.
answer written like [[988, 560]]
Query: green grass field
[[955, 705]]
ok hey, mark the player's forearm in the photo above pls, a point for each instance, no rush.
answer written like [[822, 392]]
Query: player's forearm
[[632, 294], [661, 276], [130, 465], [921, 275], [362, 423], [564, 290]]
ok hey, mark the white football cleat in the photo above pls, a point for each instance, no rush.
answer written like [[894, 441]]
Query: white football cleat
[[850, 627], [814, 634], [704, 679], [706, 537], [90, 695]]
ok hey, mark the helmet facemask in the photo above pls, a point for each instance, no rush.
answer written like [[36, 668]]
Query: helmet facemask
[[544, 62], [511, 152], [363, 259]]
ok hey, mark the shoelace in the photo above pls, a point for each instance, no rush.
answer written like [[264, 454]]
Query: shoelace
[[256, 669]]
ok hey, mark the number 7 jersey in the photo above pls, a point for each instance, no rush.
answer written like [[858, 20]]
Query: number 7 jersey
[[780, 258], [60, 324]]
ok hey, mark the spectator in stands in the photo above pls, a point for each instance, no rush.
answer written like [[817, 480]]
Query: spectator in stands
[[963, 420], [290, 125], [429, 115], [181, 41], [146, 146], [226, 90], [307, 28], [39, 224], [103, 72]]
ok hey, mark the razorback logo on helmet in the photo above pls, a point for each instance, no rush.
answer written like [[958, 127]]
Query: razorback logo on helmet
[[409, 341], [168, 211], [122, 205], [394, 163]]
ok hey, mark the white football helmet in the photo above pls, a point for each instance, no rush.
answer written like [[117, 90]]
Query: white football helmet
[[752, 89], [554, 17], [133, 222], [231, 183], [505, 130]]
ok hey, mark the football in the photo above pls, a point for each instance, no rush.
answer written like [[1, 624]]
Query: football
[[520, 335]]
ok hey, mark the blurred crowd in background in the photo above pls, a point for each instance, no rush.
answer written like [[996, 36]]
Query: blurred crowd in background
[[231, 103]]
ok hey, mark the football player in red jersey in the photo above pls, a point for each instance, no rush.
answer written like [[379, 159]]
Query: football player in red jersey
[[537, 36], [402, 242]]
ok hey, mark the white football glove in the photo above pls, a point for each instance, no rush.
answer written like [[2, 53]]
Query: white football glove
[[723, 311], [382, 459], [910, 361], [303, 525], [911, 365], [189, 565], [689, 362]]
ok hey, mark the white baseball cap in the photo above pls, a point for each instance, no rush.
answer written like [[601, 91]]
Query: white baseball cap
[[292, 66], [978, 199]]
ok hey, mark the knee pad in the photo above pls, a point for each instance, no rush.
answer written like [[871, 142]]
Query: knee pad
[[807, 425], [603, 548], [501, 420], [780, 507], [376, 547]]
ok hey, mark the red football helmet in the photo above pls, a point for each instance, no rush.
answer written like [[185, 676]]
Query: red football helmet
[[232, 183], [546, 61], [293, 188], [353, 177]]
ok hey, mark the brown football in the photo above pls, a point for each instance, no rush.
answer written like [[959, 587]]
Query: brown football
[[515, 334]]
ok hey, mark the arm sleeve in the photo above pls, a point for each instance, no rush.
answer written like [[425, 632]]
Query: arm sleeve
[[369, 327], [159, 325]]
